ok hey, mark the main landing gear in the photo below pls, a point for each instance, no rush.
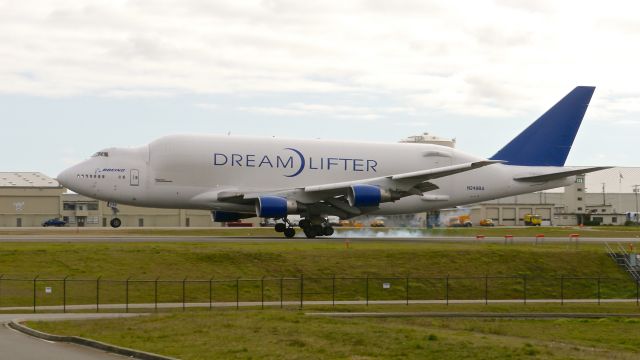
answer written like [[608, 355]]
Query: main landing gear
[[311, 230], [115, 222], [311, 227], [286, 228]]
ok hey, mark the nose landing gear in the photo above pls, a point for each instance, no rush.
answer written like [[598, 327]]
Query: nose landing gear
[[115, 222]]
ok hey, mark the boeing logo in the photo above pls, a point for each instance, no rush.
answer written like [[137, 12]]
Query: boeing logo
[[295, 161]]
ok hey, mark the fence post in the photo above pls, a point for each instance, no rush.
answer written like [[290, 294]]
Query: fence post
[[64, 294], [333, 290], [210, 293], [486, 289], [184, 283], [598, 290], [34, 292], [262, 291], [524, 288], [281, 292], [155, 293], [637, 292], [366, 286], [98, 293], [407, 289], [1, 276], [561, 289], [126, 294], [301, 290], [237, 293], [446, 284]]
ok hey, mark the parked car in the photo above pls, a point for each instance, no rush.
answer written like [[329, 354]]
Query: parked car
[[54, 222]]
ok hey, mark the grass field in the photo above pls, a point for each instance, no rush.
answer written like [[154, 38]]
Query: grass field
[[426, 263], [292, 335], [289, 334]]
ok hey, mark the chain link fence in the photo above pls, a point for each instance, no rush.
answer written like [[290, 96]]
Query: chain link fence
[[63, 294]]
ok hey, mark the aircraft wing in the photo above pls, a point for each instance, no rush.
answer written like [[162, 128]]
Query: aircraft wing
[[405, 181], [333, 198], [559, 174]]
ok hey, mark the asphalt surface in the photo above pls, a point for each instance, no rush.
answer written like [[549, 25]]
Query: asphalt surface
[[223, 239], [15, 345]]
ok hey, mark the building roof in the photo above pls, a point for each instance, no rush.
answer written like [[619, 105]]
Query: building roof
[[27, 179]]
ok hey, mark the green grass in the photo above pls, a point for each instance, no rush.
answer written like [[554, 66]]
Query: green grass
[[292, 335], [289, 334], [427, 263]]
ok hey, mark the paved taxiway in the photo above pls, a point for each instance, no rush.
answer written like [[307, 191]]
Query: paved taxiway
[[15, 345]]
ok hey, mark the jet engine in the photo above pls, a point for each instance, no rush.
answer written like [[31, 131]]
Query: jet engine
[[369, 195], [275, 207]]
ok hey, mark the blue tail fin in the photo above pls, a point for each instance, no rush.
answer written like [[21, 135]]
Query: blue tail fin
[[548, 140]]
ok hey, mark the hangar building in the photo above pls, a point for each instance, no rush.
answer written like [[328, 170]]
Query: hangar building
[[30, 198]]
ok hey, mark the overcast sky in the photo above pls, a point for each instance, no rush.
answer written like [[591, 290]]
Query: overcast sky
[[78, 76]]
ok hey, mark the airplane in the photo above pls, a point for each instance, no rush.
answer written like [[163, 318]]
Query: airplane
[[241, 177]]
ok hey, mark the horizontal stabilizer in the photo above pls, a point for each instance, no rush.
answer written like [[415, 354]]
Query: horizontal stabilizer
[[548, 140], [559, 175]]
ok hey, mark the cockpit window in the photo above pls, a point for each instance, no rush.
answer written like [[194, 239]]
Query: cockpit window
[[101, 154]]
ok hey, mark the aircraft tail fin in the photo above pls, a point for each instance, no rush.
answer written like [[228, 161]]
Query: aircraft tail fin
[[548, 140]]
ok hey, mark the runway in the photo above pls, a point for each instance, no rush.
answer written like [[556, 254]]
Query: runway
[[15, 345], [299, 238]]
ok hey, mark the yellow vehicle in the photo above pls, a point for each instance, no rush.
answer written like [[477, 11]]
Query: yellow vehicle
[[532, 220], [486, 222], [460, 221], [351, 223]]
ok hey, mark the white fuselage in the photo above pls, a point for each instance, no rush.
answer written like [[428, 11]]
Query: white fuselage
[[188, 171]]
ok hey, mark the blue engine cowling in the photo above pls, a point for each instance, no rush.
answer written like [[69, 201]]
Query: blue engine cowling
[[274, 207], [364, 195]]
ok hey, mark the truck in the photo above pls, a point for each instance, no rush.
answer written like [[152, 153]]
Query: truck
[[487, 222], [460, 221], [532, 220]]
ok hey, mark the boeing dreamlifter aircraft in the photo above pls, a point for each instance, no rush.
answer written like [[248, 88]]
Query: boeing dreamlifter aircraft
[[241, 177]]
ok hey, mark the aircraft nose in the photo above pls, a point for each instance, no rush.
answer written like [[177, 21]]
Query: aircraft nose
[[65, 178]]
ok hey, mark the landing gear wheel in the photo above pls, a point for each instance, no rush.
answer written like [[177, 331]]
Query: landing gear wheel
[[327, 231], [304, 223], [115, 223], [289, 232], [309, 232], [280, 227]]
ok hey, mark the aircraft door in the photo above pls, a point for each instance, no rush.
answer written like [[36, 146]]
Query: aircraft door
[[134, 177]]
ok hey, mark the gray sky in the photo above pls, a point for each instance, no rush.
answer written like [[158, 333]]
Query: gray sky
[[78, 76]]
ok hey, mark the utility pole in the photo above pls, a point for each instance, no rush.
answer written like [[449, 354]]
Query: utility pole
[[635, 190], [604, 200]]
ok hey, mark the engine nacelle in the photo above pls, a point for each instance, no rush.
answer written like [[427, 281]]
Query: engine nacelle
[[225, 216], [275, 207], [370, 195]]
